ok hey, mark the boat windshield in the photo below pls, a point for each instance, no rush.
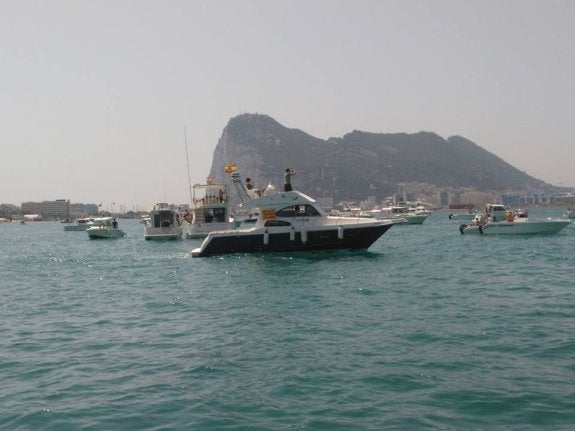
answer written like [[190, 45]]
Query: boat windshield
[[164, 219], [102, 222], [298, 211], [214, 215]]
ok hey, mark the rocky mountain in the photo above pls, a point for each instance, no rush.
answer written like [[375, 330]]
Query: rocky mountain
[[362, 164]]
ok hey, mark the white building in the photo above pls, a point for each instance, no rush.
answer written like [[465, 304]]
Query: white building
[[57, 209]]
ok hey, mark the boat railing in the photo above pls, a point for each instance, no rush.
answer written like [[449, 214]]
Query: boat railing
[[211, 201]]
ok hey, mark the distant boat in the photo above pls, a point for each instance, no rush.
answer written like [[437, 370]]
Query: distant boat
[[402, 214], [164, 224], [497, 220], [103, 228]]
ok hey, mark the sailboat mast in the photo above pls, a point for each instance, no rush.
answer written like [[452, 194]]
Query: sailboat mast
[[188, 163]]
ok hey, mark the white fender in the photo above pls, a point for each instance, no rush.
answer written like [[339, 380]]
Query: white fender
[[340, 232], [303, 236], [266, 237], [292, 234]]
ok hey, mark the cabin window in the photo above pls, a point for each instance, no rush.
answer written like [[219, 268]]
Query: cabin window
[[163, 219], [214, 215], [286, 212], [157, 220], [298, 211], [310, 211], [209, 215], [276, 223], [220, 215]]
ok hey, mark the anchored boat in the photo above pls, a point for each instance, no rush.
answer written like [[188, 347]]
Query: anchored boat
[[498, 220], [164, 223], [104, 227], [292, 222]]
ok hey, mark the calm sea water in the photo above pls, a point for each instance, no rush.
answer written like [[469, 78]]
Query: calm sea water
[[429, 329]]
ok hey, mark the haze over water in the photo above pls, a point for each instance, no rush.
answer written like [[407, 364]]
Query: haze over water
[[429, 329], [95, 94]]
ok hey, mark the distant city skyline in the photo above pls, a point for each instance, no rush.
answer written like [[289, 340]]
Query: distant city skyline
[[95, 95]]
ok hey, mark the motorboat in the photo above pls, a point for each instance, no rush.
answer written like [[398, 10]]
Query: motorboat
[[210, 209], [81, 224], [293, 222], [498, 220], [164, 223], [144, 219], [402, 214], [104, 227], [419, 214]]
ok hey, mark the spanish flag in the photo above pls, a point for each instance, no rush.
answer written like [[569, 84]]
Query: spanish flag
[[230, 168]]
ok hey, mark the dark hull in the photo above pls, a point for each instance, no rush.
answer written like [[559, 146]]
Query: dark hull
[[354, 238]]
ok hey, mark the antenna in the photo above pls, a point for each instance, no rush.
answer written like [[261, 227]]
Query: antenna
[[188, 163]]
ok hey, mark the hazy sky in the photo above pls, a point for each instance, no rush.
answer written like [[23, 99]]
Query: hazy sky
[[95, 95]]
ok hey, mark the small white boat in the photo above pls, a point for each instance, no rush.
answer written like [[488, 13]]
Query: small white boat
[[144, 219], [104, 227], [401, 213], [291, 222], [497, 220], [418, 213], [81, 224], [164, 224]]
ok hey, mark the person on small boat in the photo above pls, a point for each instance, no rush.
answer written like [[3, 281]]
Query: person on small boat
[[287, 179]]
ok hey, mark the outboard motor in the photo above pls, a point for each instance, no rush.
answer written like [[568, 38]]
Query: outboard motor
[[462, 228]]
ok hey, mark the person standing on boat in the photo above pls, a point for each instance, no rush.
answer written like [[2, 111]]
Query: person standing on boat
[[249, 184], [115, 224], [287, 179]]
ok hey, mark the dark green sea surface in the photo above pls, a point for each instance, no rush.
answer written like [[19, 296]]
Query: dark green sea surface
[[429, 329]]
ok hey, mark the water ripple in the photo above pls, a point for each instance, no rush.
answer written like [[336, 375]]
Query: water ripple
[[428, 330]]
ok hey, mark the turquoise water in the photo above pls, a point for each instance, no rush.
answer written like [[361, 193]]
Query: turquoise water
[[429, 329]]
